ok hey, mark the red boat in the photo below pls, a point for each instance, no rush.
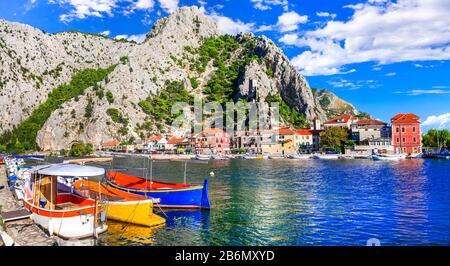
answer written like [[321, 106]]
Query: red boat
[[171, 195]]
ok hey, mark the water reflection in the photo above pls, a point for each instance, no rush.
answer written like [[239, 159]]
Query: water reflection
[[302, 202]]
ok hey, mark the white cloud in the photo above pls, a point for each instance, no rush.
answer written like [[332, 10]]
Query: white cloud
[[169, 5], [227, 25], [380, 31], [354, 85], [139, 38], [105, 33], [144, 4], [289, 21], [82, 9], [421, 92], [441, 87], [326, 15], [391, 74], [267, 4], [438, 121], [30, 4]]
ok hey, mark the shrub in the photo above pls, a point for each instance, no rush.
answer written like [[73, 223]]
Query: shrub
[[110, 97]]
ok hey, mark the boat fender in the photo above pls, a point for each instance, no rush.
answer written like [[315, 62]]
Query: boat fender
[[211, 174], [50, 227]]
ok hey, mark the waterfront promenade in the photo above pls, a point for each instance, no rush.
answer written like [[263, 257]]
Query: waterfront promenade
[[23, 232]]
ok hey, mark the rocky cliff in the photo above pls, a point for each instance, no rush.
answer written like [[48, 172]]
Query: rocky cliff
[[33, 63], [332, 104]]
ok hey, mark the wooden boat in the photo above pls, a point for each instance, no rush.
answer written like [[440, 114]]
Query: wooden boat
[[388, 157], [171, 195], [120, 205], [66, 215]]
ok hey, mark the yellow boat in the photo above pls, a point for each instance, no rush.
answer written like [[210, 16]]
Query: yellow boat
[[121, 206]]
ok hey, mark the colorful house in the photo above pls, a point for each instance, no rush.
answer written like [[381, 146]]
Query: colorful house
[[406, 135], [151, 143], [344, 121], [111, 145], [212, 141], [176, 145], [303, 140]]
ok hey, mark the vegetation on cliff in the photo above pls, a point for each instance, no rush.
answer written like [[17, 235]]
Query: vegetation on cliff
[[159, 107], [23, 137], [288, 114], [81, 149]]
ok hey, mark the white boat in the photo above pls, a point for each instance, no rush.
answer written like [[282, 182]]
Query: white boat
[[276, 156], [388, 157], [203, 157], [66, 215], [416, 156], [299, 156], [250, 156], [327, 156]]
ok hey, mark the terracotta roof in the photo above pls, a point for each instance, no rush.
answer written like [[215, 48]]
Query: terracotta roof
[[341, 119], [302, 131], [112, 143], [154, 138], [370, 122], [175, 140], [406, 118], [285, 131]]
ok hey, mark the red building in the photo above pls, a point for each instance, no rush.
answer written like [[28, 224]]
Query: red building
[[406, 136]]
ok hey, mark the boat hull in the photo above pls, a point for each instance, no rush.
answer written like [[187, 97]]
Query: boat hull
[[139, 213], [128, 208], [67, 224], [189, 197]]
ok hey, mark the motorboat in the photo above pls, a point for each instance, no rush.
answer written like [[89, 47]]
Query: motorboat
[[67, 215], [388, 157]]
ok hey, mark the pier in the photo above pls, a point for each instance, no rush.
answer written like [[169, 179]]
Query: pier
[[19, 228]]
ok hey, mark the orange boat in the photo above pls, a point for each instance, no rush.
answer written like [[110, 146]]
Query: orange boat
[[121, 206]]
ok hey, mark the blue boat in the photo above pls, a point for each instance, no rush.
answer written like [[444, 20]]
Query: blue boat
[[179, 196]]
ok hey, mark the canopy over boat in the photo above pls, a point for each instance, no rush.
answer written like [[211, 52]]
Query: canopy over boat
[[69, 170]]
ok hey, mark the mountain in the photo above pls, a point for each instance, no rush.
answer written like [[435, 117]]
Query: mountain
[[332, 104], [60, 89]]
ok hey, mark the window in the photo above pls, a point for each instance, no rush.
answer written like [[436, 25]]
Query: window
[[396, 129], [398, 139], [414, 139], [414, 129], [403, 129], [404, 140]]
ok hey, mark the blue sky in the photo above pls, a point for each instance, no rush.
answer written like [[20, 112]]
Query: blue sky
[[383, 56]]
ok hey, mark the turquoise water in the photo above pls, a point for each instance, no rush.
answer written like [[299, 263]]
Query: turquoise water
[[302, 202]]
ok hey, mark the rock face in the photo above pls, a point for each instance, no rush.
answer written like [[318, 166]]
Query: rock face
[[278, 76], [332, 104], [32, 63]]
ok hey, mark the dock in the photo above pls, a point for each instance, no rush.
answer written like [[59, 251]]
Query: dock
[[18, 226]]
